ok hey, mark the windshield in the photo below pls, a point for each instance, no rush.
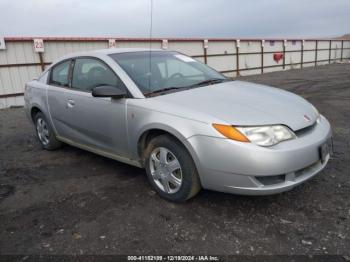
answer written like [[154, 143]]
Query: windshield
[[165, 70]]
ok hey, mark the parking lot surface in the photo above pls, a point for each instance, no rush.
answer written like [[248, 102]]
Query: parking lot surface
[[74, 202]]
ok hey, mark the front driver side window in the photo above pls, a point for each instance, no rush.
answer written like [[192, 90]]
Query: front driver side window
[[89, 73]]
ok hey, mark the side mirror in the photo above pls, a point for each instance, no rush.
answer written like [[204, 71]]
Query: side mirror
[[108, 91]]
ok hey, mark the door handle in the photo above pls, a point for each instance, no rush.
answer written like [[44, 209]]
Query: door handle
[[70, 103]]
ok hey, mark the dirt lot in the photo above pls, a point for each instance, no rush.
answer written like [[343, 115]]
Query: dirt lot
[[74, 202]]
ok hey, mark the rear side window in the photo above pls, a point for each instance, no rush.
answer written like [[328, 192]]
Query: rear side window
[[60, 74], [89, 73]]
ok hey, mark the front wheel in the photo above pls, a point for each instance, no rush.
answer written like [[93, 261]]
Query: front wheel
[[171, 170]]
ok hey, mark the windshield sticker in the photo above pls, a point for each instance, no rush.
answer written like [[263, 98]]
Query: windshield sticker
[[185, 58]]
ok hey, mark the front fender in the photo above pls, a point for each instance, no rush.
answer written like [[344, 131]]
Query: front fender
[[171, 130], [163, 127], [141, 120]]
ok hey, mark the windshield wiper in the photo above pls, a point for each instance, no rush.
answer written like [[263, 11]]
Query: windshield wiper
[[210, 82], [162, 90], [205, 82]]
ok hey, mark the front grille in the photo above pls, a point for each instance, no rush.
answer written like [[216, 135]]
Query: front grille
[[271, 180], [308, 169], [278, 179]]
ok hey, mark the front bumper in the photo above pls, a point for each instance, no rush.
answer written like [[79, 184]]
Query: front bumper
[[244, 168]]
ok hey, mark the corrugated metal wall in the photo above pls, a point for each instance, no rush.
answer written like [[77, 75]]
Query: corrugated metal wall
[[20, 63]]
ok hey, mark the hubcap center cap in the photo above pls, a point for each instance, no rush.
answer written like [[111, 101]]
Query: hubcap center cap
[[164, 170]]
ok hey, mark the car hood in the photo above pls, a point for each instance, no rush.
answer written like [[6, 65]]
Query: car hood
[[244, 104]]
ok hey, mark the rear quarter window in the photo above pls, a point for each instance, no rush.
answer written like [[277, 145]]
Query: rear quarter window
[[60, 74]]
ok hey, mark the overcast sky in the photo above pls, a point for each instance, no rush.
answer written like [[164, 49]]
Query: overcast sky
[[175, 18]]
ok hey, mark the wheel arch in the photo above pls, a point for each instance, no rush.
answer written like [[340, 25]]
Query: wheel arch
[[34, 110], [152, 131]]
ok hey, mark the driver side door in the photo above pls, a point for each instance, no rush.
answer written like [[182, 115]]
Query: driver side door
[[96, 123]]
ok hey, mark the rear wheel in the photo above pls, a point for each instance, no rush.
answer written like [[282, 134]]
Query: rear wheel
[[45, 133], [171, 170]]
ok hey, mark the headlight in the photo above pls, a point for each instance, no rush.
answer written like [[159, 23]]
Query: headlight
[[267, 135], [259, 135]]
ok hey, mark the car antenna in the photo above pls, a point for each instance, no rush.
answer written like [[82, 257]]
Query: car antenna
[[150, 47]]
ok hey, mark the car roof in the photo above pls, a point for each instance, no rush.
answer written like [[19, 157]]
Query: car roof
[[110, 51]]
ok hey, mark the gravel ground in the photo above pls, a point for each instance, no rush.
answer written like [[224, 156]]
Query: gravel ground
[[74, 202]]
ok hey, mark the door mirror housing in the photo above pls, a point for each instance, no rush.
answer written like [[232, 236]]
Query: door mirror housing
[[108, 91]]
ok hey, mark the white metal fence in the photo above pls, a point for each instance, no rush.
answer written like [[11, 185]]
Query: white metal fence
[[22, 59]]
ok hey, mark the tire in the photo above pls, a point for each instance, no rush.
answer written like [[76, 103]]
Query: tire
[[46, 138], [165, 174]]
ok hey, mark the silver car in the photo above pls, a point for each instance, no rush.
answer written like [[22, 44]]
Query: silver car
[[189, 126]]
